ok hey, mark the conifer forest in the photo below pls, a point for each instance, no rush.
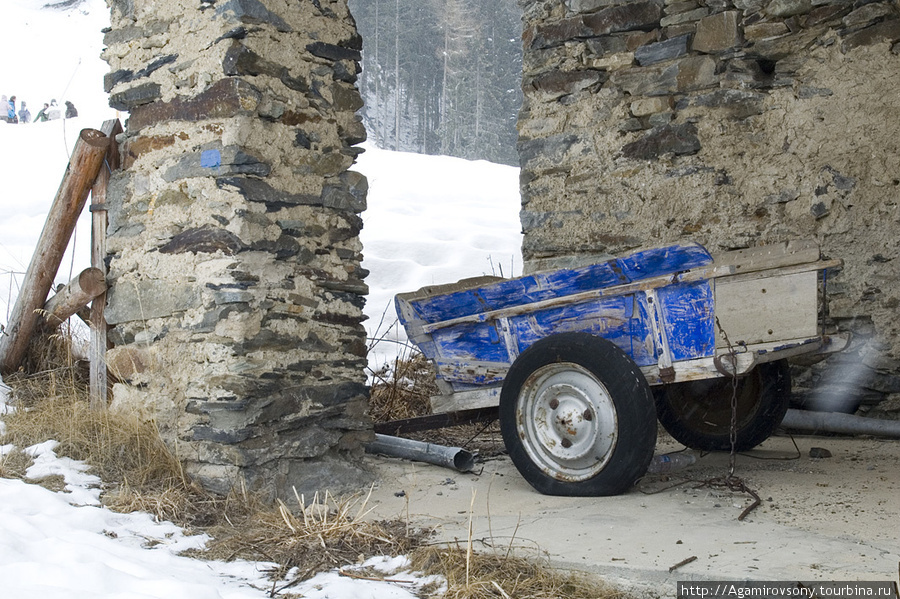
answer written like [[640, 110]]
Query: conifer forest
[[442, 76]]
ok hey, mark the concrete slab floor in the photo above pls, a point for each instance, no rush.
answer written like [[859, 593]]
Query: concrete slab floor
[[828, 519]]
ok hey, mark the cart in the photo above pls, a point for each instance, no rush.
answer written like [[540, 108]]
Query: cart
[[582, 361]]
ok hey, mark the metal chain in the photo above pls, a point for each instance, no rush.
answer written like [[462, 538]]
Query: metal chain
[[730, 482], [732, 433]]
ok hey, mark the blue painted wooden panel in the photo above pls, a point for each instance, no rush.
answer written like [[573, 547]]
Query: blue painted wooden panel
[[518, 291], [625, 320], [611, 318], [690, 319], [470, 342], [560, 283], [665, 260]]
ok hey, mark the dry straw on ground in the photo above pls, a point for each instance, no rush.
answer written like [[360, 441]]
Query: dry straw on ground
[[489, 575]]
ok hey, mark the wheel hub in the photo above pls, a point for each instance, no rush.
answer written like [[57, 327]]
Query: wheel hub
[[567, 421]]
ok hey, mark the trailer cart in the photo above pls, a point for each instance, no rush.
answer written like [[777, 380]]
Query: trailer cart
[[582, 361]]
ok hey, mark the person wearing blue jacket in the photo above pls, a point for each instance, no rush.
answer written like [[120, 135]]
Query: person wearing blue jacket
[[11, 111]]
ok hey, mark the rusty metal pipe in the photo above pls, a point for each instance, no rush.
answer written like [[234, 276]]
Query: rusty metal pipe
[[420, 451], [835, 422]]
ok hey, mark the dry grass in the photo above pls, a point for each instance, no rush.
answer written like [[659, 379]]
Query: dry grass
[[119, 447], [403, 390], [312, 535], [14, 464], [491, 576]]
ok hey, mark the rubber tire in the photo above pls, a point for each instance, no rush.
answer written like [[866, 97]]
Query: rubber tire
[[630, 396], [698, 413]]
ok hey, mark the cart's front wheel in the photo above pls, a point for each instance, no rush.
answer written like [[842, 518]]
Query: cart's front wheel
[[698, 413], [577, 416]]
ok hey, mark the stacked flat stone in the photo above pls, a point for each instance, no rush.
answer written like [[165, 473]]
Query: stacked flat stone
[[733, 123], [235, 264]]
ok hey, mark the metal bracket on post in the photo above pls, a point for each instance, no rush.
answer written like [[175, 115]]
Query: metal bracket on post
[[658, 323]]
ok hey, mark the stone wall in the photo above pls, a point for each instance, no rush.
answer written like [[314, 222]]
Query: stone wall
[[234, 257], [733, 123]]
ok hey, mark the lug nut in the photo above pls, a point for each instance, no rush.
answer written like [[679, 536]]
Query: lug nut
[[554, 403], [566, 443], [588, 415]]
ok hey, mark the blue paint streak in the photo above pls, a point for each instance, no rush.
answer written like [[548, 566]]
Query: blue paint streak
[[210, 159]]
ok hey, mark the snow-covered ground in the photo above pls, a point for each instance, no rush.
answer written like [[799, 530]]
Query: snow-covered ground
[[430, 220]]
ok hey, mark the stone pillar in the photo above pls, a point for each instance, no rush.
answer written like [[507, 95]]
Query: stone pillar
[[236, 286], [733, 123]]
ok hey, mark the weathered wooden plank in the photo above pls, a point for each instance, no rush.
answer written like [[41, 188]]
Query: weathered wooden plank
[[471, 372], [488, 397], [433, 421], [87, 157], [99, 376], [768, 309], [789, 253], [70, 299]]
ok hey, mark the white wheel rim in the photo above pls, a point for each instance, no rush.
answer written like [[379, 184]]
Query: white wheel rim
[[566, 421]]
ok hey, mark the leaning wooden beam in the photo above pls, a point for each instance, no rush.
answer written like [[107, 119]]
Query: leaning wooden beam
[[73, 297], [68, 204], [99, 379]]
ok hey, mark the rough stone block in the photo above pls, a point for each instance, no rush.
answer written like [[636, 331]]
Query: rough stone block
[[685, 17], [146, 299], [866, 14], [661, 51], [885, 31], [135, 97], [125, 75], [551, 149], [204, 240], [257, 190], [677, 139], [214, 160], [127, 361], [718, 32], [624, 17], [788, 8], [675, 8], [762, 31], [648, 106], [251, 12], [334, 51], [584, 6], [555, 83], [612, 62], [225, 98], [696, 72]]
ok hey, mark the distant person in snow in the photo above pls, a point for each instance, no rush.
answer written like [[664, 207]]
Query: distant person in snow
[[70, 110], [42, 114], [24, 114], [11, 111], [53, 111]]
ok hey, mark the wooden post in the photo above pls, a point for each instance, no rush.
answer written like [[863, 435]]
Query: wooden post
[[74, 296], [99, 378], [67, 206]]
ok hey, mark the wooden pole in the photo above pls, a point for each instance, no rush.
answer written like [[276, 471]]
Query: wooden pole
[[99, 377], [68, 204], [74, 296]]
